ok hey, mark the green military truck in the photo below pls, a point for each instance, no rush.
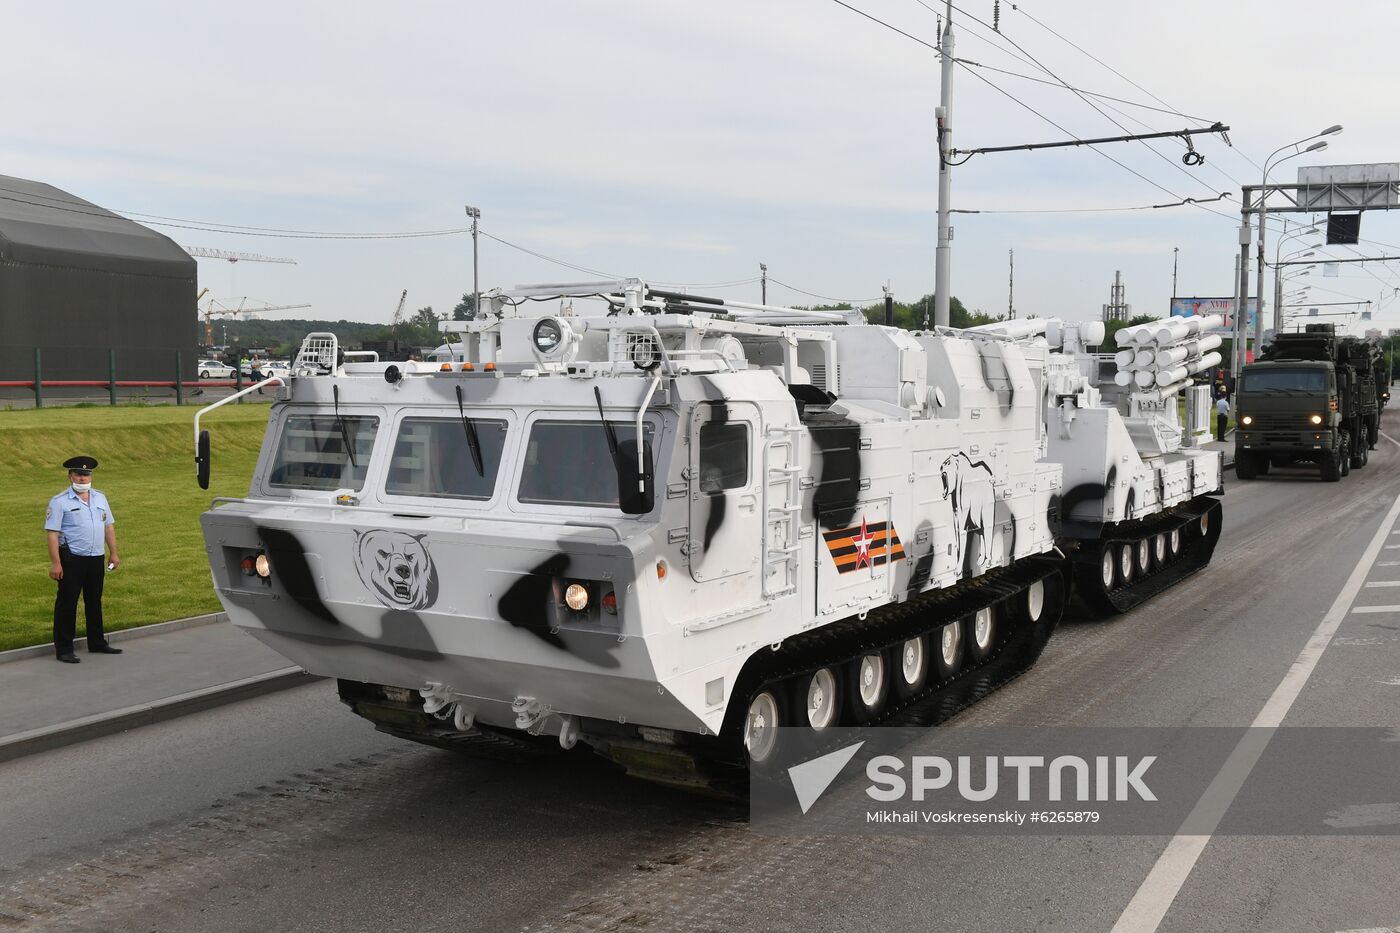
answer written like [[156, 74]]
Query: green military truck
[[1313, 397]]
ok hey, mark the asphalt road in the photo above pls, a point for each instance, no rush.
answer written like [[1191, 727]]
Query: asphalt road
[[286, 812]]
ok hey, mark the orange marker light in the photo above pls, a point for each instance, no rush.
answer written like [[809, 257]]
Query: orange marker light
[[490, 367], [445, 368], [468, 368], [661, 570]]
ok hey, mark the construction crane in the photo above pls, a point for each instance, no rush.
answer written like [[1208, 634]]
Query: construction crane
[[398, 315], [203, 252], [210, 312]]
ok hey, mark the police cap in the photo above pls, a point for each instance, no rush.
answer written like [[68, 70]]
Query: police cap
[[80, 464]]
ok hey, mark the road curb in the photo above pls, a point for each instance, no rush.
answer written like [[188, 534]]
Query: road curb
[[145, 714], [157, 628]]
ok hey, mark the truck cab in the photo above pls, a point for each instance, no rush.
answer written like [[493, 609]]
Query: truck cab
[[1289, 411]]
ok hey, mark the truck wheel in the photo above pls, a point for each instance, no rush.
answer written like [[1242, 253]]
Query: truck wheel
[[1246, 467], [1261, 464], [1373, 433], [1364, 455], [1331, 468]]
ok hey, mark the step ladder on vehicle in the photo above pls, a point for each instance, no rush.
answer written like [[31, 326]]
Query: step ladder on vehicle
[[782, 511]]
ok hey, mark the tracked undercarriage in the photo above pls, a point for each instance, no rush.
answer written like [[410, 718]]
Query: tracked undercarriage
[[915, 663]]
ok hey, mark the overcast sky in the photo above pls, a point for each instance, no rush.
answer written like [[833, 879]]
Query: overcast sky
[[687, 142]]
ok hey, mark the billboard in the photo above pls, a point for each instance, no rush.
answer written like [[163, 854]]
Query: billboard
[[1186, 307], [1348, 187]]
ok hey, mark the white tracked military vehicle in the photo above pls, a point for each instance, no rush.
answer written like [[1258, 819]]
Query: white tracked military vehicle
[[1138, 511], [662, 527], [824, 522]]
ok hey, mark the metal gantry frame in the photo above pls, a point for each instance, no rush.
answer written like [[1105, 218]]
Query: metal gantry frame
[[1300, 199]]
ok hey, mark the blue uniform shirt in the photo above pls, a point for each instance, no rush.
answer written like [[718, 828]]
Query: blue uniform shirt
[[80, 525]]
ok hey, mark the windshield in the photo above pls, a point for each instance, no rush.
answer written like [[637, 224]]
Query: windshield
[[568, 463], [1304, 380], [433, 457], [311, 454]]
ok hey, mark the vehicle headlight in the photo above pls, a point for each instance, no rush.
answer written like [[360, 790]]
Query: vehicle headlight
[[1247, 420], [576, 597], [1316, 419]]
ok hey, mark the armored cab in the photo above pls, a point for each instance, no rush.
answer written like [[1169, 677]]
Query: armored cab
[[663, 525], [1311, 397], [1139, 510]]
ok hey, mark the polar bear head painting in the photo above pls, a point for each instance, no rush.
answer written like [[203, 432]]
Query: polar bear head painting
[[396, 568]]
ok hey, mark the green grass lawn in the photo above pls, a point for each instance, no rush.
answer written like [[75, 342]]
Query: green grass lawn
[[146, 457]]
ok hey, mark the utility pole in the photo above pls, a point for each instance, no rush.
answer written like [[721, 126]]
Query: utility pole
[[943, 258], [475, 214], [1237, 358], [1175, 250], [1011, 287], [763, 279]]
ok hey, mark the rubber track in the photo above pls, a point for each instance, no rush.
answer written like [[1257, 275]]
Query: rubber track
[[1196, 554]]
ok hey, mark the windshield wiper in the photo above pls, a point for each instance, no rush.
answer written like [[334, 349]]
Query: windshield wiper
[[608, 430], [344, 428], [472, 440]]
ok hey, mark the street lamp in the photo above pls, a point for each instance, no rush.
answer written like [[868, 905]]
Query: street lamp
[[1269, 163], [475, 214]]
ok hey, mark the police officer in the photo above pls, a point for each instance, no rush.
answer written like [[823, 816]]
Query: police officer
[[79, 523]]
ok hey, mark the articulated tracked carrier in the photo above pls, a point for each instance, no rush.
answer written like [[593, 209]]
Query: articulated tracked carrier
[[1139, 511], [663, 526]]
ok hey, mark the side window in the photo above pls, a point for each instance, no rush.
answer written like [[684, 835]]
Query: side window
[[724, 456]]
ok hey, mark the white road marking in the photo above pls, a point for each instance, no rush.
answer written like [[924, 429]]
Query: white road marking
[[1159, 889], [1388, 563], [1389, 438], [1375, 583], [1373, 930], [1377, 609], [1392, 547]]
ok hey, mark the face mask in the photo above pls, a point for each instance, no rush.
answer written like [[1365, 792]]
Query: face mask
[[82, 487]]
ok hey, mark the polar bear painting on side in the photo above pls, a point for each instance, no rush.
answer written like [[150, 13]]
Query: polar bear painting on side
[[969, 485]]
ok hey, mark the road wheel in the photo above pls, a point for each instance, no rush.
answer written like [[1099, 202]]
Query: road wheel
[[1246, 467], [1159, 549], [761, 726], [1107, 568], [204, 374], [1174, 543], [981, 633], [1144, 556], [821, 698], [911, 673], [950, 650], [1361, 457], [1344, 458], [869, 681], [1125, 563]]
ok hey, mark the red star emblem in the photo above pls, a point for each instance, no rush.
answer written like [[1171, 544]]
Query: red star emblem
[[862, 543]]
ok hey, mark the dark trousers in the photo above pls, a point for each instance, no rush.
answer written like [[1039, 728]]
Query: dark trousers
[[80, 575], [1220, 422]]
